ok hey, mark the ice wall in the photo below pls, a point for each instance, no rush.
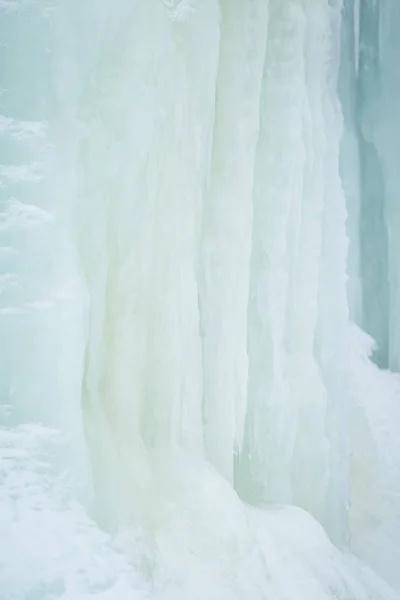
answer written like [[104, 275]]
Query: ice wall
[[388, 140], [373, 230], [288, 306], [192, 219], [227, 230], [214, 307], [368, 90], [367, 81]]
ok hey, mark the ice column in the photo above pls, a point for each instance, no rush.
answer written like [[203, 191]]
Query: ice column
[[227, 230]]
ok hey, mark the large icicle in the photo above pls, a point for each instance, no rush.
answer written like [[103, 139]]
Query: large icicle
[[285, 385], [227, 230], [148, 120]]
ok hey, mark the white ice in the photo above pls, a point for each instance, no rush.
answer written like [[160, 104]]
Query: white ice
[[182, 301]]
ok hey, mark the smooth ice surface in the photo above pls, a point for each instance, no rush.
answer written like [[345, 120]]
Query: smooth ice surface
[[369, 92], [197, 244]]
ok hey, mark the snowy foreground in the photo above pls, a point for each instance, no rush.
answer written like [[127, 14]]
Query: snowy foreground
[[199, 299], [208, 544]]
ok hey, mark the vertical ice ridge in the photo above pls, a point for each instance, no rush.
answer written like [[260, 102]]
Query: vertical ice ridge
[[227, 230], [333, 311], [349, 153], [307, 379], [278, 181]]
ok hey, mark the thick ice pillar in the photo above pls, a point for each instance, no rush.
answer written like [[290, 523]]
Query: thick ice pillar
[[286, 394], [227, 229], [146, 116]]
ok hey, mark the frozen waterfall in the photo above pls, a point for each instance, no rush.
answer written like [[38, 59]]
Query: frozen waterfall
[[199, 299]]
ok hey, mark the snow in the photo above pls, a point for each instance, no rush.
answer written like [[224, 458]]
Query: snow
[[207, 543]]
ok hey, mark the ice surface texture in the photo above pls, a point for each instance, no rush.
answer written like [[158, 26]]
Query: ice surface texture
[[199, 296]]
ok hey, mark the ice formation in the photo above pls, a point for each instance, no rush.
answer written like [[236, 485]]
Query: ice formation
[[199, 299]]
